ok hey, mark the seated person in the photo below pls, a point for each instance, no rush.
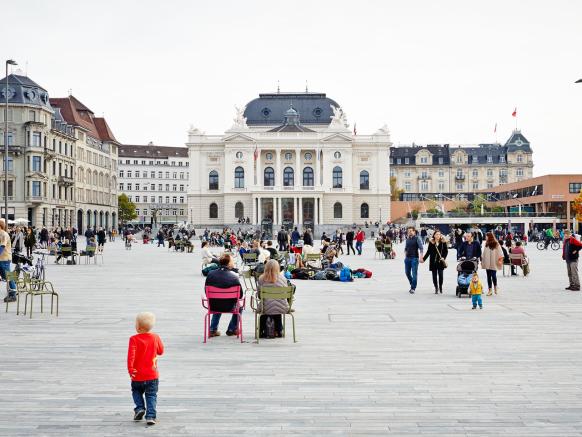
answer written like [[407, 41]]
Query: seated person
[[272, 251], [223, 277], [273, 308], [207, 256], [67, 245], [520, 250], [329, 253], [387, 246]]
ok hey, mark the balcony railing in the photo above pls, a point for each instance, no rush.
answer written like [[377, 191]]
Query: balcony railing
[[288, 187], [460, 177], [35, 199], [65, 180], [16, 150], [424, 177], [308, 187]]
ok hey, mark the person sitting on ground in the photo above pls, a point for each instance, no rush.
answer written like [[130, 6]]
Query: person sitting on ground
[[273, 308], [223, 277], [329, 251], [207, 256]]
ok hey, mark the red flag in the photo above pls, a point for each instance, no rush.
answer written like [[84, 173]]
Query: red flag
[[495, 130], [514, 113], [256, 154]]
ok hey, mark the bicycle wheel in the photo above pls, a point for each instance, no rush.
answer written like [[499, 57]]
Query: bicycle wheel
[[541, 245], [555, 245]]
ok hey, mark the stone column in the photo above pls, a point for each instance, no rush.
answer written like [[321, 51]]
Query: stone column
[[295, 211], [317, 175], [258, 170], [300, 210], [258, 210], [298, 174], [278, 171]]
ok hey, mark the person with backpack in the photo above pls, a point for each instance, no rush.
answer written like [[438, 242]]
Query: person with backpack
[[413, 253]]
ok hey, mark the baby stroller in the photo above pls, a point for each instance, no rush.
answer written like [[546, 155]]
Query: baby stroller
[[465, 269]]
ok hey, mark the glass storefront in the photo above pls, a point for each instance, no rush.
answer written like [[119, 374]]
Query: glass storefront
[[267, 209], [288, 210], [308, 206]]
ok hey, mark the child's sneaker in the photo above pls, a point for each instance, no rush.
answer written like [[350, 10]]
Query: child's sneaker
[[139, 415], [151, 422], [474, 308], [480, 307]]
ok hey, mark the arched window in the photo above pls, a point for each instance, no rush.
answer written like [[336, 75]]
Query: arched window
[[364, 211], [337, 210], [213, 211], [269, 177], [239, 210], [308, 177], [213, 180], [288, 179], [364, 180], [337, 177], [239, 177]]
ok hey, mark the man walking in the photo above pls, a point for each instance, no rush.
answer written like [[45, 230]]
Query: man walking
[[413, 253], [570, 254], [350, 241], [360, 237], [5, 259], [282, 239]]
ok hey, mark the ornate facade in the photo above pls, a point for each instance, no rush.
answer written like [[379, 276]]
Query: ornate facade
[[449, 170], [291, 159]]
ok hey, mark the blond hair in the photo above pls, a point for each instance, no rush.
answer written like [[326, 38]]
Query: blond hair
[[145, 321], [271, 272], [2, 224]]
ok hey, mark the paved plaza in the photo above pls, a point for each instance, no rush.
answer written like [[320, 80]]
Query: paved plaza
[[371, 359]]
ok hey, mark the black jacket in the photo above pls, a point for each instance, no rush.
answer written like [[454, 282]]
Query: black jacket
[[307, 239], [433, 263], [350, 236], [223, 278], [462, 253]]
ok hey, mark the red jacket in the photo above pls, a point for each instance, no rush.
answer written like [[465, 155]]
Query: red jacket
[[360, 236], [572, 241], [142, 356]]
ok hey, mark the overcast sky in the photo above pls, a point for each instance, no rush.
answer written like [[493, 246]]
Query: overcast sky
[[434, 72]]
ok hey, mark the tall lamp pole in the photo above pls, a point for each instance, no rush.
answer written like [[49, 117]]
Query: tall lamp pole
[[8, 62]]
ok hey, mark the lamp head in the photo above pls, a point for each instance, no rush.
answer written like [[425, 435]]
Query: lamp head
[[11, 62], [578, 81]]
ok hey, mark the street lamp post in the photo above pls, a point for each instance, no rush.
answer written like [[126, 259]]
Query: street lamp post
[[8, 62]]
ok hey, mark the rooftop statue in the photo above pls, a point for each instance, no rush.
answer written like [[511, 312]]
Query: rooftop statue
[[239, 120], [339, 118]]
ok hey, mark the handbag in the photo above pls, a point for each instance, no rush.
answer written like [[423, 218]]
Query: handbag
[[442, 261]]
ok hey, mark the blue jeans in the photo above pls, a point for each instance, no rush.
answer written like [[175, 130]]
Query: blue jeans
[[359, 247], [476, 300], [232, 326], [411, 270], [5, 267], [150, 390]]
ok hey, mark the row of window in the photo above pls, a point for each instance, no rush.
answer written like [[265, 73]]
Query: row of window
[[239, 210], [152, 187], [460, 160], [288, 178], [94, 158], [138, 199], [575, 187], [143, 162], [424, 186], [144, 174], [145, 211], [460, 174], [94, 178]]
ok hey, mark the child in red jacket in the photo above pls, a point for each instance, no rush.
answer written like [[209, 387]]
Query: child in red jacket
[[142, 357]]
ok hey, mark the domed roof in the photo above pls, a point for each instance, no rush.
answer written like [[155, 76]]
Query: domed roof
[[271, 108], [22, 90]]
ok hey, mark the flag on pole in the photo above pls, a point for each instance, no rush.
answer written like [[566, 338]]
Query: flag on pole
[[355, 131], [495, 130], [514, 113], [256, 153]]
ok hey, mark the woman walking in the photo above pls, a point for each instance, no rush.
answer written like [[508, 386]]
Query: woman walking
[[437, 252], [492, 260], [29, 242]]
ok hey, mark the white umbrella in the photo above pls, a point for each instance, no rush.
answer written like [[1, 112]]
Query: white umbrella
[[21, 221]]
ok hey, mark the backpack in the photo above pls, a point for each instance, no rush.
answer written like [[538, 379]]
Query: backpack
[[320, 276], [331, 274], [300, 274], [209, 268], [365, 273], [345, 275]]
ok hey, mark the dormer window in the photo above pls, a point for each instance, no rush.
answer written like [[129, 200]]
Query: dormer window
[[424, 160], [520, 158], [489, 159], [406, 160]]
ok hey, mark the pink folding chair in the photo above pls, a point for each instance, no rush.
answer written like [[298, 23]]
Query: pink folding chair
[[231, 293]]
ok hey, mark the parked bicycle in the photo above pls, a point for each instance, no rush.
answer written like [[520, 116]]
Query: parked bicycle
[[544, 244]]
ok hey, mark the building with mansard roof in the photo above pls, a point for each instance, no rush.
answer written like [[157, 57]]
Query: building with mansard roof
[[453, 171], [289, 159]]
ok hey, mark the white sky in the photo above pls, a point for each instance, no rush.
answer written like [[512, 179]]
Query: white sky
[[435, 72]]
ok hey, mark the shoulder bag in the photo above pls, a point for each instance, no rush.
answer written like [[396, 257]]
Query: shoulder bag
[[441, 260]]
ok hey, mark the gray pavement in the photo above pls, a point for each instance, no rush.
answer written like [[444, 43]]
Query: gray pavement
[[371, 359]]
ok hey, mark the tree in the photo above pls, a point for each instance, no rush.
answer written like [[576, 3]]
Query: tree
[[577, 207], [394, 190], [126, 209]]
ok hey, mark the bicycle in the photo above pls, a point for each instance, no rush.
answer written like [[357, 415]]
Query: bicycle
[[543, 245]]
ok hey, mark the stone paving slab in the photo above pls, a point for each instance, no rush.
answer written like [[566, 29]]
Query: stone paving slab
[[371, 359]]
